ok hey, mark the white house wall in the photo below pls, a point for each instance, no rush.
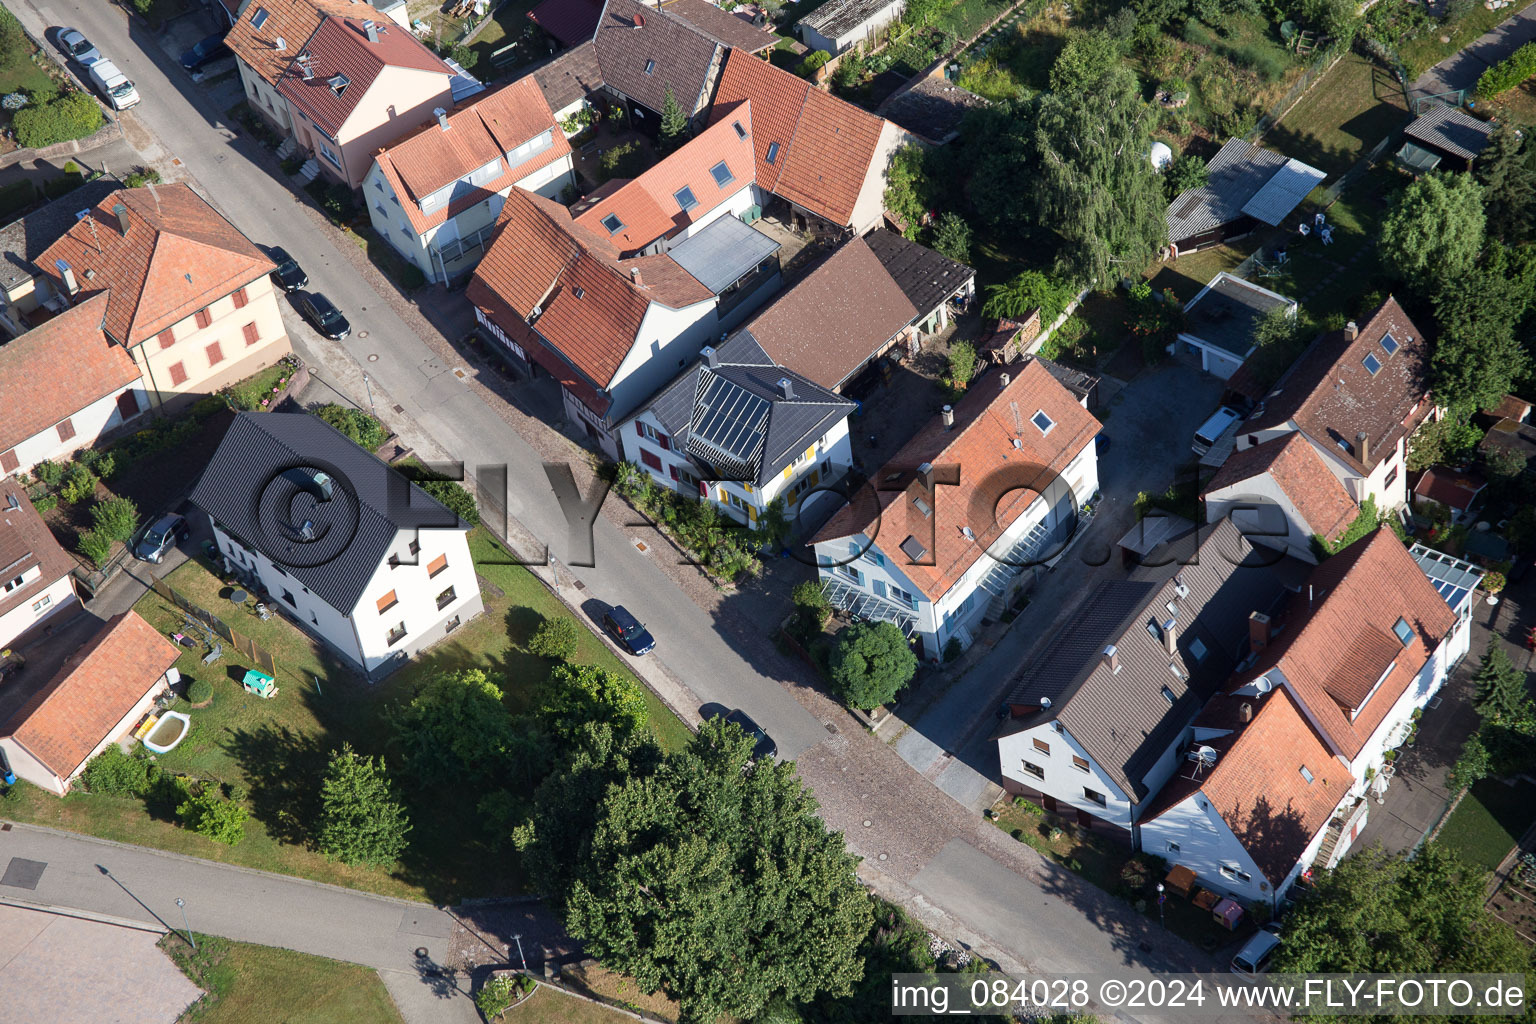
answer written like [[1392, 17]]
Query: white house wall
[[1063, 781], [25, 766], [89, 424], [668, 340], [58, 595], [34, 771], [264, 97], [869, 208], [1264, 514], [1205, 845], [1393, 728], [293, 598], [416, 596], [735, 206]]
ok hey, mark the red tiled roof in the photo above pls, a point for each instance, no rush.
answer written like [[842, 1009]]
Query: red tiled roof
[[95, 689], [1299, 471], [178, 256], [825, 145], [486, 130], [1256, 784], [648, 207], [991, 493], [1330, 393], [836, 318], [53, 371], [1452, 488], [292, 21], [341, 47], [541, 258], [1333, 654], [569, 21], [25, 542]]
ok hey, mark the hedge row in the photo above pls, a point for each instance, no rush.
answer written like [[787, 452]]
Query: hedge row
[[71, 116], [1508, 73]]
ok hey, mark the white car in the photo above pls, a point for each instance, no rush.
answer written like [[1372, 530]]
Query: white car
[[114, 85], [1253, 959], [77, 47]]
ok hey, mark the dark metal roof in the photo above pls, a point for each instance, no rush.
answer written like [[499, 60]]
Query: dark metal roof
[[1123, 719], [733, 419], [1225, 313], [1239, 183], [260, 488], [23, 241], [1451, 131], [723, 252], [925, 277]]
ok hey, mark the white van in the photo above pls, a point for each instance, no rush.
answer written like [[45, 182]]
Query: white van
[[114, 85], [1255, 955], [1213, 428]]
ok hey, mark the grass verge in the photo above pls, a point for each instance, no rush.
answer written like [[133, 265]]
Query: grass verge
[[1489, 821]]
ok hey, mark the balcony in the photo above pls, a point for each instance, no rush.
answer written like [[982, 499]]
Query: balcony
[[397, 634], [446, 598]]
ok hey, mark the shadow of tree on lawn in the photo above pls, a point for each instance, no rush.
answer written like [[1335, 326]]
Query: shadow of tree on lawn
[[284, 769]]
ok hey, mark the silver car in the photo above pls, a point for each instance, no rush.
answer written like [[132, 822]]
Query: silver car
[[78, 48]]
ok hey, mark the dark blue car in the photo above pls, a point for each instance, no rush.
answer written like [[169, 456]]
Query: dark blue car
[[626, 629], [208, 49]]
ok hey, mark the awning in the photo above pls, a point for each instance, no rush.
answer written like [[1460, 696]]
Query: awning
[[723, 252]]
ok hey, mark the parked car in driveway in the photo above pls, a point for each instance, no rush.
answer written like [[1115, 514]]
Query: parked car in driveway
[[1255, 955], [288, 276], [114, 85], [209, 48], [762, 746], [166, 532], [78, 48], [627, 631], [323, 315]]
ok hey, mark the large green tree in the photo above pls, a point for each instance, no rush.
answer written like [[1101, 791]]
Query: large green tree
[[360, 820], [1479, 356], [871, 663], [908, 188], [457, 730], [1507, 171], [1094, 185], [1384, 913], [1027, 291], [1503, 698], [711, 877], [577, 694], [1433, 234]]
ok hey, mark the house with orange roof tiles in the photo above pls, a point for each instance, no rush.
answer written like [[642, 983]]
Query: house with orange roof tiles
[[99, 695], [562, 298], [36, 582], [340, 79], [188, 300], [435, 195], [947, 530], [1282, 495]]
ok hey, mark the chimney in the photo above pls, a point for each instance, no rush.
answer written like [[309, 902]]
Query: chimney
[[786, 388], [1170, 636], [1112, 658], [949, 416], [639, 21], [67, 275], [1351, 331], [1002, 382], [711, 357], [1258, 632], [1363, 447], [121, 213], [442, 117], [371, 30], [280, 44], [634, 275], [1245, 713]]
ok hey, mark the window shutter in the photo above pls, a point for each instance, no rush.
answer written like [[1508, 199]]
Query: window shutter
[[215, 354], [204, 318], [437, 565], [703, 489], [251, 335], [752, 513], [9, 461], [240, 298], [789, 471], [66, 430], [664, 441], [652, 460], [127, 405], [639, 428], [167, 339], [387, 602], [722, 495], [673, 470], [178, 374]]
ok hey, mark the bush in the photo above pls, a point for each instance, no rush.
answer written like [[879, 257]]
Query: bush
[[1499, 79], [463, 56], [626, 161], [334, 198], [453, 496], [811, 606], [114, 773], [871, 663], [13, 100], [50, 473], [96, 546], [953, 649], [500, 993], [362, 428], [209, 814], [102, 463], [199, 691], [142, 176], [115, 518], [556, 638], [78, 484], [72, 116], [814, 62]]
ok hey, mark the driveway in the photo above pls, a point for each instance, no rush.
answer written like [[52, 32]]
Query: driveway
[[1462, 69], [1151, 421]]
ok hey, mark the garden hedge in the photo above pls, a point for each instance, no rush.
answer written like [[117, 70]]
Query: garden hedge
[[71, 116], [1508, 73]]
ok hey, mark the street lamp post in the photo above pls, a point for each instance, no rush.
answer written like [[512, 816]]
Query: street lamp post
[[520, 956], [369, 385], [1161, 915], [183, 905]]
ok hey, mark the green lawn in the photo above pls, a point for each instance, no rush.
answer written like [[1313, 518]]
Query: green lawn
[[508, 25], [262, 985], [1427, 50], [24, 75], [276, 748], [1489, 821], [547, 1006], [1188, 274], [1341, 117], [967, 17]]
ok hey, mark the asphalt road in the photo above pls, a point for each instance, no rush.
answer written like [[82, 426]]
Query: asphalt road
[[1463, 68]]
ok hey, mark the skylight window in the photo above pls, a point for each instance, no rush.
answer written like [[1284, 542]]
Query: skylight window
[[650, 66], [741, 132], [913, 548], [578, 292], [338, 83], [1372, 363], [1167, 693], [773, 152], [613, 224], [1390, 344], [685, 199], [260, 17], [1044, 422], [1197, 649], [722, 174], [1404, 631], [922, 506], [1306, 774]]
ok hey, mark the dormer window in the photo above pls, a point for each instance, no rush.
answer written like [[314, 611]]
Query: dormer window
[[578, 292], [650, 67], [338, 83], [1042, 421], [613, 224]]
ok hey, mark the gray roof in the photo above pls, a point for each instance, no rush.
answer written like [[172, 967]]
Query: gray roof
[[1224, 315], [723, 252], [733, 420], [838, 17], [1451, 130], [1124, 719], [1454, 579], [22, 241], [257, 488], [1238, 176], [572, 76], [631, 37], [925, 277], [933, 108]]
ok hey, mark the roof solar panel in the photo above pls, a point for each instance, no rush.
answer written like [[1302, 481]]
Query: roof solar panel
[[729, 418]]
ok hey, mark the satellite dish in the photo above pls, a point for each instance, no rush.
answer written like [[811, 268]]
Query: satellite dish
[[1207, 755], [1263, 685]]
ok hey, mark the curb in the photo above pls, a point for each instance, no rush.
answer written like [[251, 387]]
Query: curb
[[84, 915]]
